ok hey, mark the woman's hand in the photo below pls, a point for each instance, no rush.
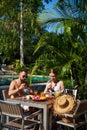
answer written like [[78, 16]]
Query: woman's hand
[[49, 87]]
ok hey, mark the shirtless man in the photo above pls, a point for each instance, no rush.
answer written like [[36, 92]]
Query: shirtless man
[[17, 86]]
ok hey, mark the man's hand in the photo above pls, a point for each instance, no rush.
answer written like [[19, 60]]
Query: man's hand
[[22, 86]]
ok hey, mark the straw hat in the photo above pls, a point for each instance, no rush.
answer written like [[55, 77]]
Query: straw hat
[[64, 104]]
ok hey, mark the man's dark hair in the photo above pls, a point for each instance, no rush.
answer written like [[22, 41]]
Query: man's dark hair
[[25, 70]]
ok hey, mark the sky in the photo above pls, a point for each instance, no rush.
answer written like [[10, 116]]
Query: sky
[[50, 5]]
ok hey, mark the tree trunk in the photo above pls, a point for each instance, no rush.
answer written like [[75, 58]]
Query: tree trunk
[[86, 78], [21, 36]]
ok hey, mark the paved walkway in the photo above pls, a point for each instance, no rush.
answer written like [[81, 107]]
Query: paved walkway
[[7, 73]]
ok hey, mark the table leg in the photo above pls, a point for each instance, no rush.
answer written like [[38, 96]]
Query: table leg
[[45, 118], [50, 119]]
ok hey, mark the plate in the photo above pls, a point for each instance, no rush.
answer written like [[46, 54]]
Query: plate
[[41, 100], [27, 97]]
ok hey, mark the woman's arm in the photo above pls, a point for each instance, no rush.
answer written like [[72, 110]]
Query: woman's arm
[[61, 86], [48, 87]]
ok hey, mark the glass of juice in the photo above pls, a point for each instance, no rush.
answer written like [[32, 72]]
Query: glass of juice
[[35, 93], [42, 94]]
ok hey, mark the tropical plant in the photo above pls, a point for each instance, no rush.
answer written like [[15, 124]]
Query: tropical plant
[[11, 14], [68, 52]]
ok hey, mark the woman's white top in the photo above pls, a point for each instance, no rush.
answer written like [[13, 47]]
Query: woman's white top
[[55, 88]]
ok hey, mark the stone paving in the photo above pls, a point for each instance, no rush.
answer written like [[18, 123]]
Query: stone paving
[[7, 73]]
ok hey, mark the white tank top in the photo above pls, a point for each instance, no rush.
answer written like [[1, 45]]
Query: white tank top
[[57, 87]]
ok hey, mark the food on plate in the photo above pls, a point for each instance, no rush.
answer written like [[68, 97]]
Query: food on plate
[[42, 98], [31, 96], [27, 97], [35, 93], [37, 98], [42, 95]]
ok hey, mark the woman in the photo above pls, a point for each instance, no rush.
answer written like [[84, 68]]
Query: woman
[[54, 84]]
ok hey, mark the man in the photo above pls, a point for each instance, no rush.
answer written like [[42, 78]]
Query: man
[[17, 86], [17, 89]]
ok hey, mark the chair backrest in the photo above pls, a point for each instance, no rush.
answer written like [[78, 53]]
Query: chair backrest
[[11, 109], [5, 94], [72, 92], [81, 107]]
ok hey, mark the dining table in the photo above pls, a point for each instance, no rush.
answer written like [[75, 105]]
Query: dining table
[[45, 105]]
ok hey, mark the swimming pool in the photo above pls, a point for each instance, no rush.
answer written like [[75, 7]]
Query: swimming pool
[[33, 79]]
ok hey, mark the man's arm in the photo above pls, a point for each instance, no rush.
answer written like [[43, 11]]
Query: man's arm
[[12, 89]]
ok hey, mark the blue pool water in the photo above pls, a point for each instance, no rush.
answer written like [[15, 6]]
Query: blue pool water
[[33, 79]]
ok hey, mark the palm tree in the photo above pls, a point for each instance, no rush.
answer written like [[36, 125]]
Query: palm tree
[[65, 14], [21, 35], [69, 20]]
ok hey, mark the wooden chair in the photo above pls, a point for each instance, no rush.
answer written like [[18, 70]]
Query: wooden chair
[[31, 116], [14, 110], [79, 112], [5, 97], [5, 94]]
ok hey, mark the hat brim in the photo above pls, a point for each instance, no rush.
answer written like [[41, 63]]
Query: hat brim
[[62, 110]]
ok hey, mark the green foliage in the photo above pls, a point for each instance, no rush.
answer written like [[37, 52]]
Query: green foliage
[[65, 50], [10, 29], [68, 52], [19, 67]]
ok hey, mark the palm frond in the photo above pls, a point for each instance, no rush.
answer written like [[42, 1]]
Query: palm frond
[[64, 11]]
